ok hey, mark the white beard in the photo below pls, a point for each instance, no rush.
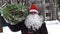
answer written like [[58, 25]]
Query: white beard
[[35, 21]]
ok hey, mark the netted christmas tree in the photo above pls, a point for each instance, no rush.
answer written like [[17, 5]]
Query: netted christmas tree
[[15, 13]]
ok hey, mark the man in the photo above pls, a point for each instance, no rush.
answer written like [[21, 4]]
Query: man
[[33, 23]]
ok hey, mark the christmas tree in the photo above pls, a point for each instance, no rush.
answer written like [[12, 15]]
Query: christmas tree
[[15, 13]]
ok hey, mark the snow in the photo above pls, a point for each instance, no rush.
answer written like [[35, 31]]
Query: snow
[[53, 27], [6, 30]]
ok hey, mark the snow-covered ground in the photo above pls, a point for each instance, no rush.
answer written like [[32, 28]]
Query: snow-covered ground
[[53, 27], [6, 30]]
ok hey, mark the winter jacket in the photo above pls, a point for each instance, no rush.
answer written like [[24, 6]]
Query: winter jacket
[[21, 26]]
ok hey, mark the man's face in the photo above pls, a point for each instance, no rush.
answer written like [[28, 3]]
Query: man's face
[[32, 13]]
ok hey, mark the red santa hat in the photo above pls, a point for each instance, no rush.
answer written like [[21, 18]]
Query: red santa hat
[[33, 8]]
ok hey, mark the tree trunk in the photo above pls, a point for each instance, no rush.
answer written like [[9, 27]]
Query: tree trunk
[[1, 25]]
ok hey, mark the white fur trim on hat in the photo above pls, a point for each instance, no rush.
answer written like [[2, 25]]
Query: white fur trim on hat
[[33, 10]]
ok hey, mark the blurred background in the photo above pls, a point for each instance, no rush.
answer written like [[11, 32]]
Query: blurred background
[[50, 9]]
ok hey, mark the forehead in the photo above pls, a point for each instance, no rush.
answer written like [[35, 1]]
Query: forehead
[[32, 12]]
